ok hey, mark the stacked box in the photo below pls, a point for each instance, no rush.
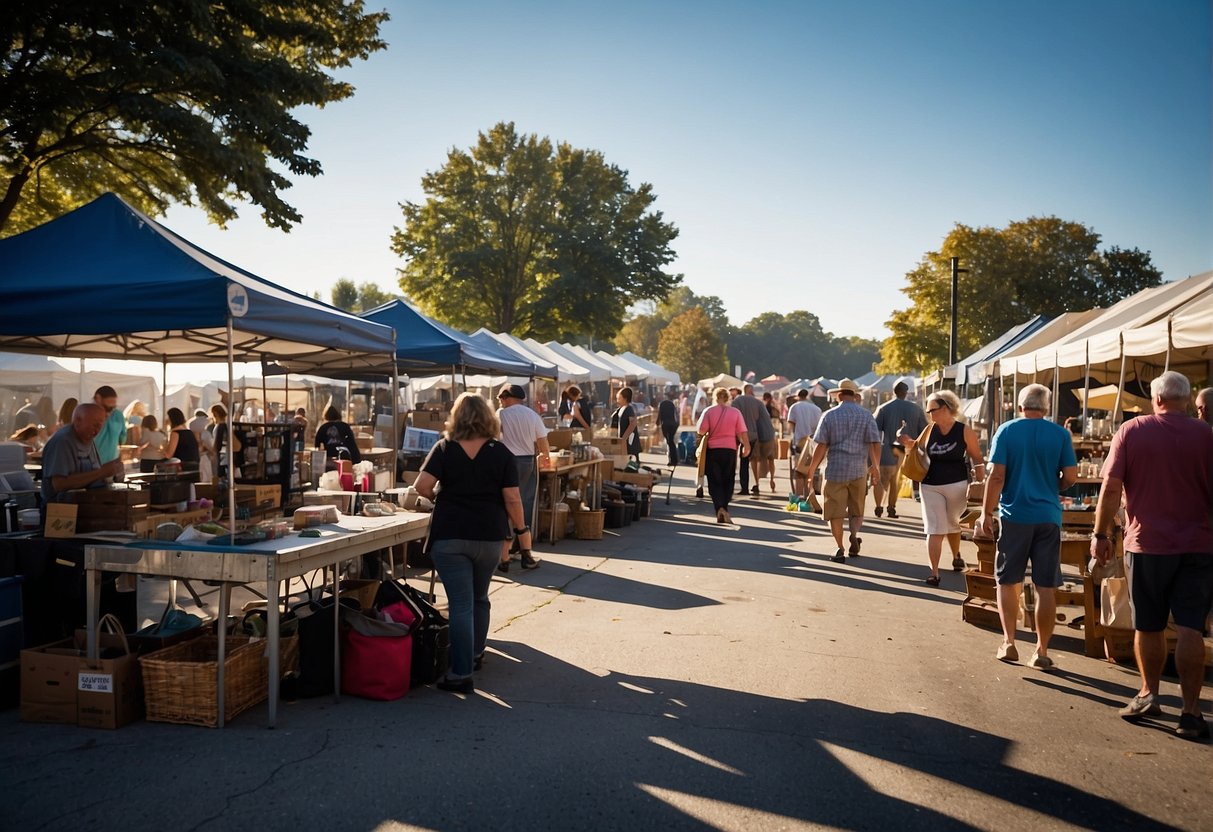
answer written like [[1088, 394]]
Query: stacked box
[[100, 509]]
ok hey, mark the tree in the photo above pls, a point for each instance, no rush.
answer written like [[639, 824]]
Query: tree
[[1038, 266], [640, 332], [796, 345], [362, 298], [345, 295], [166, 103], [523, 237], [690, 346]]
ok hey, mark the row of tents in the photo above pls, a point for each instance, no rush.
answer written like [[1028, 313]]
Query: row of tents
[[106, 281]]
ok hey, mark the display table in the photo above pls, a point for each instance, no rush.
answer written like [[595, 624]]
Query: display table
[[268, 562], [549, 478]]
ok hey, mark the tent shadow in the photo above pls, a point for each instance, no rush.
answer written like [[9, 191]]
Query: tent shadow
[[603, 587]]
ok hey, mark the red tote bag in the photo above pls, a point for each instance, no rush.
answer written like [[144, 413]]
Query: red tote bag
[[376, 656]]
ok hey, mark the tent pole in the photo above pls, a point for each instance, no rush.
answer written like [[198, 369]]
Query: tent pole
[[1167, 361], [164, 388], [1120, 386], [395, 443], [265, 396], [1086, 388], [231, 432], [1056, 384], [81, 398]]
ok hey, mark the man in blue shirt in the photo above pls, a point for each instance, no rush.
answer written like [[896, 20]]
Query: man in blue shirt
[[113, 432], [1033, 461], [894, 417]]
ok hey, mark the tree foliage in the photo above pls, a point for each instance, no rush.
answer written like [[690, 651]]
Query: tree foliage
[[1037, 266], [164, 103], [544, 241], [640, 333], [795, 345], [361, 298], [690, 346]]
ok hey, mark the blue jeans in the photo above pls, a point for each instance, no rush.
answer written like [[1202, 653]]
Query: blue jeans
[[526, 484], [466, 568]]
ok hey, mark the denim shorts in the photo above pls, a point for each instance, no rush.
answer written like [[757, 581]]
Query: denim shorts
[[1179, 585], [1022, 543]]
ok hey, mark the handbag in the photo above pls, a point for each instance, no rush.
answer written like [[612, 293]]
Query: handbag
[[377, 655], [701, 452], [917, 462], [431, 634], [1114, 610]]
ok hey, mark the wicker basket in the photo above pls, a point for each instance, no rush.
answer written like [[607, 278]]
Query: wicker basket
[[180, 682], [587, 525]]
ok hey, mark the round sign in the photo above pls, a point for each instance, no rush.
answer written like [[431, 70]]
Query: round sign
[[237, 300]]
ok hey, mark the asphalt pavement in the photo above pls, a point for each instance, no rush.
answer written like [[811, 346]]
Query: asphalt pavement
[[674, 675]]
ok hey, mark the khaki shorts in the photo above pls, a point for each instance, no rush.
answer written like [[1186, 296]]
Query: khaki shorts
[[763, 449], [844, 499]]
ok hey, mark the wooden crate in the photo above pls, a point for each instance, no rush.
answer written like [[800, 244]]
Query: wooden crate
[[980, 585], [641, 478], [259, 496], [103, 510], [981, 613]]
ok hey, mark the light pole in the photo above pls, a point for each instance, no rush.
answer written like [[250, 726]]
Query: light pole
[[953, 357]]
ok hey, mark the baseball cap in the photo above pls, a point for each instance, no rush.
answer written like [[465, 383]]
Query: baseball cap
[[513, 391]]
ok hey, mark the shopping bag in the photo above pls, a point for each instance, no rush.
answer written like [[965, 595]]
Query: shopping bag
[[376, 655], [431, 634], [1114, 609], [906, 490], [917, 461], [701, 454]]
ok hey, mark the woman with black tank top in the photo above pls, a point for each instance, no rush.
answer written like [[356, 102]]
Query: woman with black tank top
[[945, 488], [473, 480], [182, 443]]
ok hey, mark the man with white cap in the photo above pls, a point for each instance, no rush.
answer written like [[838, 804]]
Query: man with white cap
[[848, 439], [525, 435]]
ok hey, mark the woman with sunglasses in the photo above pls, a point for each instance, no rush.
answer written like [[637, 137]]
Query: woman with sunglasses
[[945, 488]]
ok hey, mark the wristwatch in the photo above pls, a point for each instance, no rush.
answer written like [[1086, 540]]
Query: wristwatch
[[1099, 536], [522, 531]]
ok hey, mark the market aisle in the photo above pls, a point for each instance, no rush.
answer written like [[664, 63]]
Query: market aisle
[[678, 675]]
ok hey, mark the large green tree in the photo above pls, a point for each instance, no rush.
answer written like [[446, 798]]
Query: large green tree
[[690, 346], [641, 331], [357, 298], [521, 236], [167, 102], [1037, 266]]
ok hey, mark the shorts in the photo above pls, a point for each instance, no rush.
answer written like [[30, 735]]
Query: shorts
[[1021, 543], [844, 499], [763, 449], [1181, 585], [942, 506]]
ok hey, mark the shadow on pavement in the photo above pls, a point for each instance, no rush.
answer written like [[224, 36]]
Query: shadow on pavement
[[603, 587]]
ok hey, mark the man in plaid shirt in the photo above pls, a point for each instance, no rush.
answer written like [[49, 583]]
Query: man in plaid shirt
[[849, 436]]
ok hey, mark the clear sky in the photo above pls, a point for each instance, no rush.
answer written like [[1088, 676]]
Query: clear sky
[[809, 152]]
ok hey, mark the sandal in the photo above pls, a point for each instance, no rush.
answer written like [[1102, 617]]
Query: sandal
[[853, 551], [958, 564], [932, 580]]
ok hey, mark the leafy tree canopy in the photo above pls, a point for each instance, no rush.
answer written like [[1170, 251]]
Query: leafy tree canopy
[[690, 346], [164, 103], [1037, 266], [361, 298], [641, 331], [795, 345], [538, 240]]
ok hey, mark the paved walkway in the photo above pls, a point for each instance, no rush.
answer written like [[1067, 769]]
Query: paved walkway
[[679, 675]]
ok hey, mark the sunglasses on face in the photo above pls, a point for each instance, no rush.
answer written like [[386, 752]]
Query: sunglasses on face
[[933, 409]]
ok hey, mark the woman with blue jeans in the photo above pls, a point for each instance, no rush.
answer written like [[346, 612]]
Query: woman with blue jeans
[[473, 480]]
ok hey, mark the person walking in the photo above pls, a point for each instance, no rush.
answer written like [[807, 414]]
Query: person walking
[[1162, 464], [804, 417], [1032, 461], [761, 438], [525, 436], [945, 488], [472, 477], [898, 416], [726, 430], [849, 442], [667, 417]]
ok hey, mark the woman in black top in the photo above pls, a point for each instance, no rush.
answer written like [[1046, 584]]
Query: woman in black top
[[945, 488], [578, 410], [223, 432], [473, 480], [182, 443], [629, 430], [334, 434]]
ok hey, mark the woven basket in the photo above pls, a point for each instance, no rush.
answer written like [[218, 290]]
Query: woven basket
[[587, 525], [180, 682]]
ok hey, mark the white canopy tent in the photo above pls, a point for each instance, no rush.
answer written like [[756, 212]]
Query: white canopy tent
[[598, 370], [34, 376], [657, 374]]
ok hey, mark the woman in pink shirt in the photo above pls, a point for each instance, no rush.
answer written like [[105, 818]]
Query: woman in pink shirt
[[725, 429]]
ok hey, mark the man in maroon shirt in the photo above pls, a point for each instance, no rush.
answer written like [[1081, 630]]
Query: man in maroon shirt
[[1163, 464]]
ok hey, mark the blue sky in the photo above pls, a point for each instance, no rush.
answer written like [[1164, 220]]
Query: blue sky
[[810, 153]]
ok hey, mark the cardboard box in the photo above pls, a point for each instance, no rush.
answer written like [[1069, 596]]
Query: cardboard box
[[560, 439], [147, 528], [259, 496], [610, 445], [641, 478], [48, 683], [109, 691], [60, 520]]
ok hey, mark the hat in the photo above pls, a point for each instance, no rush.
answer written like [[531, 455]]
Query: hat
[[845, 386], [514, 391]]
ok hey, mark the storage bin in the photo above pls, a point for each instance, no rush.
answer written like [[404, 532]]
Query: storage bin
[[615, 513]]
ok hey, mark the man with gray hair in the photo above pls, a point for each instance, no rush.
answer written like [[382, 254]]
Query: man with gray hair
[[1204, 406], [1163, 464], [1033, 461]]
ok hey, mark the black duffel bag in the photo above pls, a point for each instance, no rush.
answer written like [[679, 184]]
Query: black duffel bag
[[316, 644], [431, 636]]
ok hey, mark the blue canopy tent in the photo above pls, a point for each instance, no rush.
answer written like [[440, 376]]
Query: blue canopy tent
[[425, 344], [106, 281]]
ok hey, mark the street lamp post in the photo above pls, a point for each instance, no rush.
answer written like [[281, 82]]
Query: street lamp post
[[953, 356]]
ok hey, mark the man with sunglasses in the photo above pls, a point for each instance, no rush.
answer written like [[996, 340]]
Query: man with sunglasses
[[113, 431]]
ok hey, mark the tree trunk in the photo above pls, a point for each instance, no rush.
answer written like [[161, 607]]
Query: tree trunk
[[12, 194]]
